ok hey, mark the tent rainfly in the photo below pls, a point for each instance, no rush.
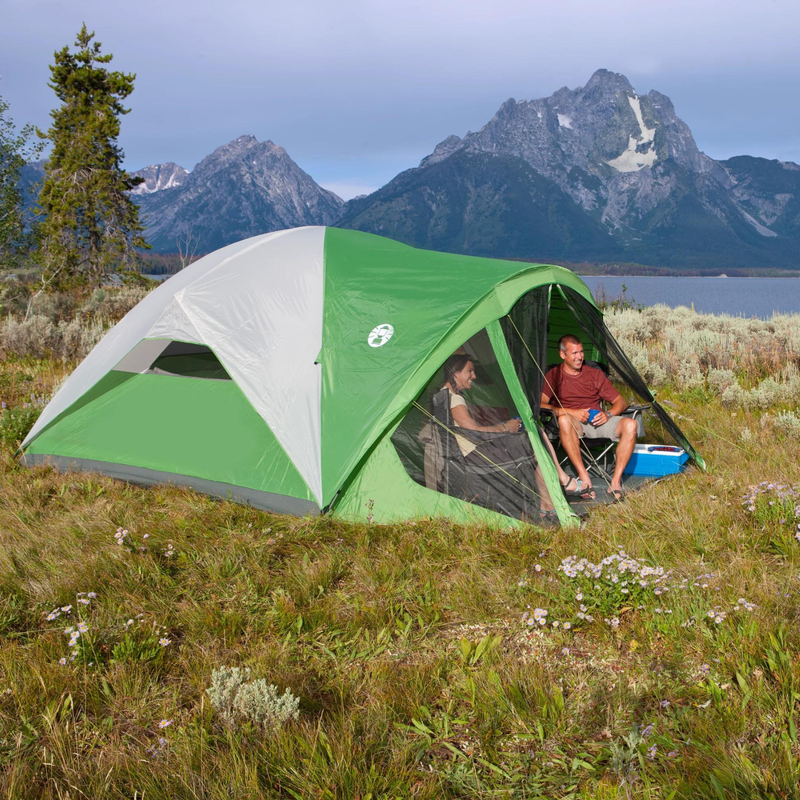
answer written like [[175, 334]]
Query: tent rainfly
[[293, 371]]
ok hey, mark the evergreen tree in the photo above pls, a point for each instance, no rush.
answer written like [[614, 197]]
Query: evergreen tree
[[16, 150], [91, 227]]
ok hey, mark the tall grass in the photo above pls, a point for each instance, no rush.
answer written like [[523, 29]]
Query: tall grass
[[416, 649]]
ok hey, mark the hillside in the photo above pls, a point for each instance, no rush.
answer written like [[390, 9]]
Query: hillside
[[422, 659]]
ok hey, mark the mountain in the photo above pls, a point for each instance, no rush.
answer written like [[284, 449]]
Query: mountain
[[243, 188], [158, 177], [594, 173]]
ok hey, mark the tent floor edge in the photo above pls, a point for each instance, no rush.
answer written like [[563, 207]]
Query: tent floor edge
[[264, 501]]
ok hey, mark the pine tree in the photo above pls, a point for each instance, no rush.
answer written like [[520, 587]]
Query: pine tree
[[91, 227], [16, 150]]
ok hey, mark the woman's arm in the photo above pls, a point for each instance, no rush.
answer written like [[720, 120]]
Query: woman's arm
[[464, 419]]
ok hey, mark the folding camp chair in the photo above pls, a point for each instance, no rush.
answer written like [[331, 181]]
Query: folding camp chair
[[501, 484], [600, 453]]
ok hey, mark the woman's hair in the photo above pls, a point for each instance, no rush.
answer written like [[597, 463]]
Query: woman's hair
[[454, 364]]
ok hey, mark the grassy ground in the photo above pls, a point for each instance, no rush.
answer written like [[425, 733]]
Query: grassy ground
[[415, 650]]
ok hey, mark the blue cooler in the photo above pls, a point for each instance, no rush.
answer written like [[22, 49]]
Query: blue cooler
[[656, 460]]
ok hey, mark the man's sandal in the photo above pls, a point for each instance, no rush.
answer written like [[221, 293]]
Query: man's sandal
[[617, 495], [582, 490]]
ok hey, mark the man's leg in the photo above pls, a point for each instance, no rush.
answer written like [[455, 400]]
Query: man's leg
[[571, 442], [627, 439]]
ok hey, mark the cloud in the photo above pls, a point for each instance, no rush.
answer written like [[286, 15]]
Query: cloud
[[366, 81]]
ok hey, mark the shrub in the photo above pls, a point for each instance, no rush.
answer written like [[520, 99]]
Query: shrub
[[112, 304], [720, 379], [788, 422], [38, 337], [238, 699], [16, 422], [684, 349]]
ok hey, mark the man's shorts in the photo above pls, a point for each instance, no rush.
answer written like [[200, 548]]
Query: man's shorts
[[608, 430]]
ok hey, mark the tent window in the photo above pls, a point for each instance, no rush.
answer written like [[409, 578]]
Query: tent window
[[498, 472], [189, 361]]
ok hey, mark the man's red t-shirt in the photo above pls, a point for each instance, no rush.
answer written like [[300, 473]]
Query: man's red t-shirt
[[584, 390]]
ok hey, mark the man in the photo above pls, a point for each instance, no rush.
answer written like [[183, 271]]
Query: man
[[571, 391]]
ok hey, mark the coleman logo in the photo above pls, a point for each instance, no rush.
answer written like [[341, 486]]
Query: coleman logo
[[380, 335]]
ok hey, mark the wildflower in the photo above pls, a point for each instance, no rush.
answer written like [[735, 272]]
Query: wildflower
[[704, 669], [129, 623], [92, 595], [648, 730], [83, 627], [538, 567], [54, 614], [672, 754], [555, 623], [164, 641], [146, 536], [651, 752], [665, 704], [567, 626], [165, 723], [62, 661], [579, 596], [69, 630], [565, 651], [84, 601], [66, 609]]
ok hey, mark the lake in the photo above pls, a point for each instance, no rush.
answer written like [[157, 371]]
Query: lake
[[748, 297]]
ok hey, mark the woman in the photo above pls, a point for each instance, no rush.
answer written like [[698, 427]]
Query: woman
[[459, 374]]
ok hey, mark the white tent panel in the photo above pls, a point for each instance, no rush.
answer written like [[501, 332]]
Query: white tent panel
[[262, 316], [258, 304]]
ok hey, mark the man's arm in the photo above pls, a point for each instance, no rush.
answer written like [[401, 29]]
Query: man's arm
[[606, 391], [580, 414], [617, 407]]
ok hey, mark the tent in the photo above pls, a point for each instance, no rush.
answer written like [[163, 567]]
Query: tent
[[286, 370]]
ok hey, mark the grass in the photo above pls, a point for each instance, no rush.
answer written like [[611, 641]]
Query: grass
[[415, 649]]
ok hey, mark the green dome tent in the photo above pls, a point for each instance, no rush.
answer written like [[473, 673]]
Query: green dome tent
[[283, 370]]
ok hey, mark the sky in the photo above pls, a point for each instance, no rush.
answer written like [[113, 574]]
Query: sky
[[359, 90]]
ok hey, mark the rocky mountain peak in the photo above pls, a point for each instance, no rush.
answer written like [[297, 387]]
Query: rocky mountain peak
[[442, 150], [243, 188], [158, 177], [607, 81], [620, 167]]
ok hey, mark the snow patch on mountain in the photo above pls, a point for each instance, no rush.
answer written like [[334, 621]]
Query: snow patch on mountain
[[631, 160], [564, 121]]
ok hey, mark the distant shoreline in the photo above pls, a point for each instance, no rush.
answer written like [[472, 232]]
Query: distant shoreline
[[681, 275]]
